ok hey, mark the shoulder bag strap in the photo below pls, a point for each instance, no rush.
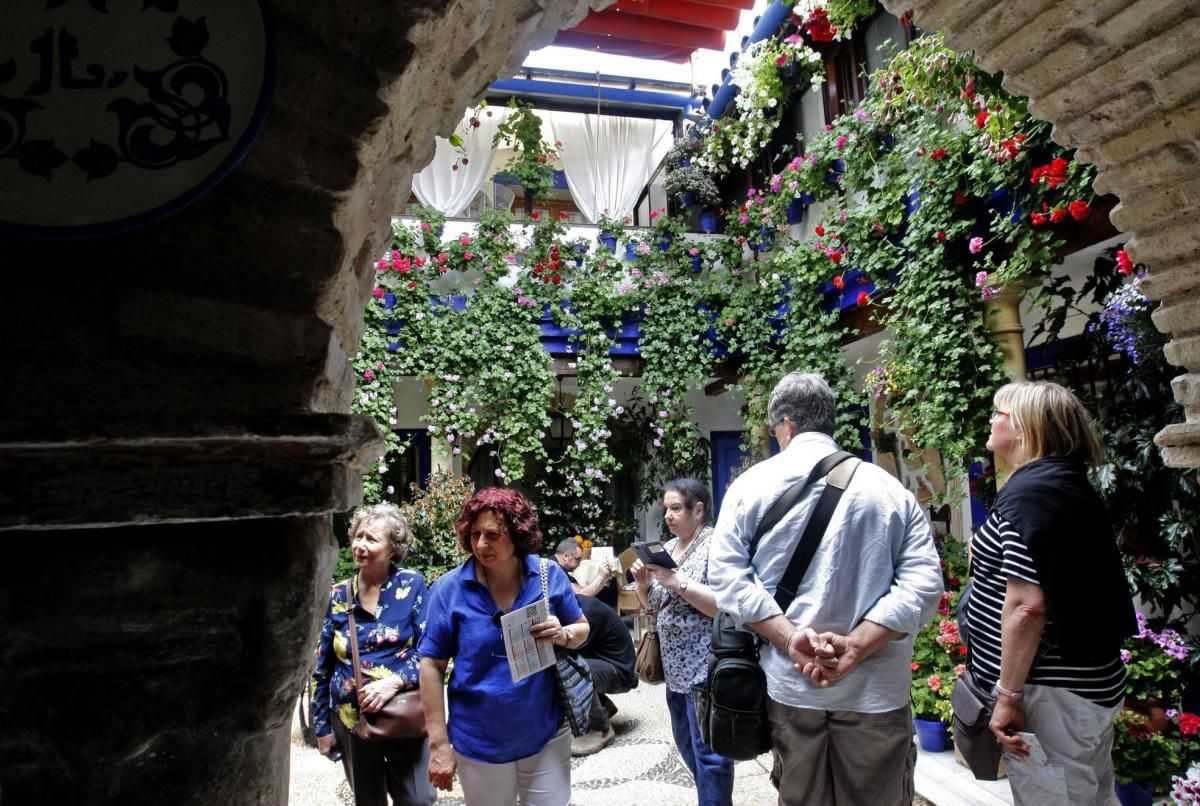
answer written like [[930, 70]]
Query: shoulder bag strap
[[542, 564], [353, 634], [785, 502], [838, 480]]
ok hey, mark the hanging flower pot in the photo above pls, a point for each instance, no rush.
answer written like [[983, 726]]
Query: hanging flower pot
[[696, 263], [664, 242], [807, 198], [795, 211], [766, 239], [609, 240], [630, 251], [836, 169], [687, 198], [708, 221]]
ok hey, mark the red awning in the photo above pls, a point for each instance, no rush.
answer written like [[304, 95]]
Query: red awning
[[669, 30]]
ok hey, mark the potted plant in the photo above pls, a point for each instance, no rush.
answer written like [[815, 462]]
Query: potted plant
[[693, 186], [533, 158], [1143, 759], [939, 659], [1154, 664]]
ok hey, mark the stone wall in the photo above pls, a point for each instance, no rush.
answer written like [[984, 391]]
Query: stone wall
[[172, 435], [1120, 82]]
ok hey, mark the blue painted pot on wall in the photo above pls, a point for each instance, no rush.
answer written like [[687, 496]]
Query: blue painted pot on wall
[[609, 240], [836, 169], [933, 737], [708, 221], [664, 242], [631, 251], [687, 198], [1134, 794], [696, 263], [795, 211]]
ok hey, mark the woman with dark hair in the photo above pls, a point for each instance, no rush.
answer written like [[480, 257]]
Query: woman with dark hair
[[505, 740], [685, 608], [389, 605], [1049, 605]]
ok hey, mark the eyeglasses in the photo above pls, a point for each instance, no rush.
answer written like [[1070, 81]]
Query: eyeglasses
[[997, 414]]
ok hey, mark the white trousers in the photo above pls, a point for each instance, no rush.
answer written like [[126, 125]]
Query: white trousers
[[543, 779], [1077, 735]]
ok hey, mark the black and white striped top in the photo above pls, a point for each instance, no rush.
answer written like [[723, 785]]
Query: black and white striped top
[[998, 552]]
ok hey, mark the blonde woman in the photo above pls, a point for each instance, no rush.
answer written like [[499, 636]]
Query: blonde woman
[[1050, 605]]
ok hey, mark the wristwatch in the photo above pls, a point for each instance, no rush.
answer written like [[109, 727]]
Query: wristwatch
[[683, 583]]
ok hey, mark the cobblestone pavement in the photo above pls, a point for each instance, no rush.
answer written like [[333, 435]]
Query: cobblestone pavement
[[640, 768]]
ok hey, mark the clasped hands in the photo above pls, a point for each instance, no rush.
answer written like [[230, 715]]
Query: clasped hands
[[822, 658], [669, 578]]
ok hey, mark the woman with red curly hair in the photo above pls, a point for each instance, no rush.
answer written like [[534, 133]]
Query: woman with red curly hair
[[505, 740]]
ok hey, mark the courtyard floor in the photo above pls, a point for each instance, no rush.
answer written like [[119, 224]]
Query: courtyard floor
[[642, 768]]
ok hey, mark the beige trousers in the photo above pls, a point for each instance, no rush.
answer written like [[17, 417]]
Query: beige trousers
[[845, 758]]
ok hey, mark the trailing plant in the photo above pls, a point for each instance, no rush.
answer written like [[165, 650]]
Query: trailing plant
[[532, 163], [694, 181]]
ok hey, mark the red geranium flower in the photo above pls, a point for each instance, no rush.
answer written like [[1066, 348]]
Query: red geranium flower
[[1057, 215], [1124, 262], [836, 257], [864, 299], [1189, 724], [941, 236], [819, 230], [838, 282], [959, 197], [981, 119], [1037, 219], [937, 154], [1079, 210]]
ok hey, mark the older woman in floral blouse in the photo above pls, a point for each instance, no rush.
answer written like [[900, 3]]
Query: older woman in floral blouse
[[686, 607], [389, 607]]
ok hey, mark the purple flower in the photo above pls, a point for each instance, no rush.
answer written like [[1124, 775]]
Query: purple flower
[[1126, 656]]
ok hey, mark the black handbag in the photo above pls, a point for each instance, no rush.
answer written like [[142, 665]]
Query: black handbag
[[973, 737], [731, 703]]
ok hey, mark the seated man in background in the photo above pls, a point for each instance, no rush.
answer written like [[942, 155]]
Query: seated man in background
[[609, 654], [569, 555]]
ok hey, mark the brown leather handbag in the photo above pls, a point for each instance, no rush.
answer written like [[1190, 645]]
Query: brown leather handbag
[[402, 717], [648, 663]]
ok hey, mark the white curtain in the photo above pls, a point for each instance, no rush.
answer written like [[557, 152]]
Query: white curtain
[[450, 191], [608, 159]]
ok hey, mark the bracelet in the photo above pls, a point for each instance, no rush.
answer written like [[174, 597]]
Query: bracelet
[[1013, 695]]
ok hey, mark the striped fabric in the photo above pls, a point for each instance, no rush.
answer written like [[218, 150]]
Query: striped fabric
[[998, 553]]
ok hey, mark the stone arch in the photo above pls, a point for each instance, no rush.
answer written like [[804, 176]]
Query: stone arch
[[1119, 82]]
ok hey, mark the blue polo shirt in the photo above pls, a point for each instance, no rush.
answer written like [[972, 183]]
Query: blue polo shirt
[[493, 719]]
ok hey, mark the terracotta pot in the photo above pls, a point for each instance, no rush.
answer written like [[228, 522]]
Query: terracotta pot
[[1152, 709]]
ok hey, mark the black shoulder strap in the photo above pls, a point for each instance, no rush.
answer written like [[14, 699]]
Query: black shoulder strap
[[806, 549]]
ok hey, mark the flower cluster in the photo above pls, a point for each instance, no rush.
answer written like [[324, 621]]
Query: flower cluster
[[1185, 789], [1126, 323], [1154, 662]]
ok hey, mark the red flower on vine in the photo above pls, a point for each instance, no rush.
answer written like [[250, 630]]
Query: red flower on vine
[[1124, 263], [1037, 219], [838, 282], [1079, 210], [1057, 215], [863, 300], [1052, 175], [981, 119], [1189, 724], [937, 154]]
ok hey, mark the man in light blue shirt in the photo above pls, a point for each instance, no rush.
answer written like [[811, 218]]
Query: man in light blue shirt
[[838, 662]]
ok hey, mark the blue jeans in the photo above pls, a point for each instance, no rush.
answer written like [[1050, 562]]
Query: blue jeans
[[713, 773]]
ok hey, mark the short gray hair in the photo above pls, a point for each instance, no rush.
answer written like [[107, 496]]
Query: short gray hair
[[397, 527], [567, 546], [805, 399]]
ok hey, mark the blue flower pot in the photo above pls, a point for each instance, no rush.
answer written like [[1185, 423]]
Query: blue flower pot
[[631, 251], [807, 198], [1134, 794], [836, 169], [685, 162], [664, 243], [766, 239], [389, 301], [687, 198], [708, 221], [609, 240], [795, 211], [696, 263], [933, 737]]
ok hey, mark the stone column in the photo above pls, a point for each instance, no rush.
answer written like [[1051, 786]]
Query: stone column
[[1002, 313]]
